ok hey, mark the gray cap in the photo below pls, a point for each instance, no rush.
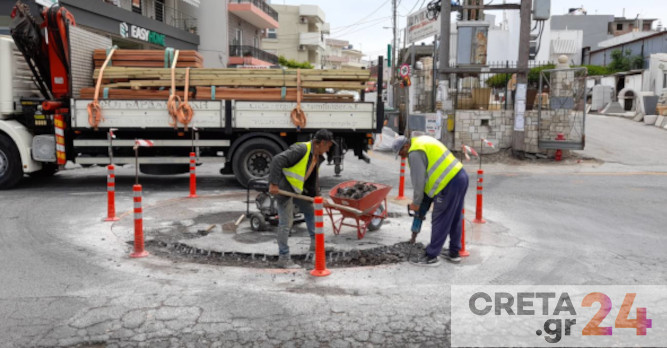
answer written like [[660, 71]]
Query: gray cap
[[398, 144]]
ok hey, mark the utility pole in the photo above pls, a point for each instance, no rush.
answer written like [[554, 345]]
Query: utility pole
[[522, 79], [393, 56], [445, 35]]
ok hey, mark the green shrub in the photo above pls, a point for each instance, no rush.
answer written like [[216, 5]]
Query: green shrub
[[498, 80], [293, 64]]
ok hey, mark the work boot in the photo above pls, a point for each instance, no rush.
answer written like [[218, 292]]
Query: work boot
[[285, 261], [455, 258]]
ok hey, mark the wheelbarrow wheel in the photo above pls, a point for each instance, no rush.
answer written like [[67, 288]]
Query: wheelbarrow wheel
[[376, 222], [257, 222]]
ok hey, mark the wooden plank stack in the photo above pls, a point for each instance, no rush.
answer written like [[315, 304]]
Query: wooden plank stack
[[140, 74], [148, 59]]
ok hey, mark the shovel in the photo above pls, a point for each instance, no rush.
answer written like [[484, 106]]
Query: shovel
[[311, 199]]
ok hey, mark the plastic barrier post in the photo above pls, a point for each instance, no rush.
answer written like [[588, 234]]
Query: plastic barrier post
[[401, 181], [111, 194], [480, 189], [320, 255], [193, 177], [138, 225]]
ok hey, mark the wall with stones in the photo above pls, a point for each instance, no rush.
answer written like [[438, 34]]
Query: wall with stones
[[498, 126], [473, 125]]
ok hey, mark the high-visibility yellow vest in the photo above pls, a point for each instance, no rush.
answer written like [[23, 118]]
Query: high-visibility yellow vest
[[295, 174], [442, 165]]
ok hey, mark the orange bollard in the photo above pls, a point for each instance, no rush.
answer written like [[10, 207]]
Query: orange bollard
[[320, 255], [138, 225], [401, 181], [480, 188], [463, 251], [193, 177], [111, 194]]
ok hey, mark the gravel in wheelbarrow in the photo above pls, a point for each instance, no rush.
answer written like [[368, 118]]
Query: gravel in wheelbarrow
[[364, 196]]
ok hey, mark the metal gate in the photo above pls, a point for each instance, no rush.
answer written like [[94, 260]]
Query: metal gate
[[561, 101]]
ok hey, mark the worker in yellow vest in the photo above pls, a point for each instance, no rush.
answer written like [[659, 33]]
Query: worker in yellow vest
[[296, 170], [437, 175]]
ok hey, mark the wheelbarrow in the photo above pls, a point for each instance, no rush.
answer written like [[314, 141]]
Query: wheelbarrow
[[371, 205]]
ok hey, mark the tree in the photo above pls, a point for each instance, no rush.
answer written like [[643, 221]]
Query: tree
[[498, 80], [293, 64], [625, 61]]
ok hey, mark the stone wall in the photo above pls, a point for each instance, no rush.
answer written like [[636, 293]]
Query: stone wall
[[497, 127], [473, 125]]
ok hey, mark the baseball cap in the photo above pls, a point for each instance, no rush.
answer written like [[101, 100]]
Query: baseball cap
[[324, 135], [398, 144]]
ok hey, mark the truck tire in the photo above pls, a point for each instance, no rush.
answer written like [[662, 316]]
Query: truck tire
[[10, 163], [251, 160]]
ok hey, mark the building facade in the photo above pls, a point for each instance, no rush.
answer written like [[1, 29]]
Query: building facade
[[300, 35], [139, 24], [249, 22]]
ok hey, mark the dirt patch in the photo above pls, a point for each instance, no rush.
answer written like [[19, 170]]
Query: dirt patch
[[357, 258]]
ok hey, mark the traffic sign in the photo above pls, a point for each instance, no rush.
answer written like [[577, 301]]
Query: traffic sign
[[405, 70]]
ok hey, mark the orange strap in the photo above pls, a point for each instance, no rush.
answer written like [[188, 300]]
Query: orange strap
[[180, 111], [184, 113], [174, 100], [298, 116], [94, 108]]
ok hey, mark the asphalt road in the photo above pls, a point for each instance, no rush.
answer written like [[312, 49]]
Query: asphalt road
[[67, 280]]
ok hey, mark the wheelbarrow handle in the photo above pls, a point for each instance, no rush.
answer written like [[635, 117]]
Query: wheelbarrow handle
[[311, 199]]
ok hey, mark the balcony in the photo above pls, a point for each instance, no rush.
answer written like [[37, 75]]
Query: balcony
[[336, 59], [313, 12], [248, 55], [255, 12], [311, 41]]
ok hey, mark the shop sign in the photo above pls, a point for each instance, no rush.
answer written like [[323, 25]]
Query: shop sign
[[139, 33]]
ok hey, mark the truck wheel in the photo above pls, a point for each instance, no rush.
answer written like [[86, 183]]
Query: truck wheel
[[10, 163], [251, 160]]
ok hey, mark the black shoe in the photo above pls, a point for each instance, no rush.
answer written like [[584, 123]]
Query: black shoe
[[425, 260], [453, 258]]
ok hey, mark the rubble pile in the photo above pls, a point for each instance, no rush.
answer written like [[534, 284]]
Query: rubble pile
[[357, 191]]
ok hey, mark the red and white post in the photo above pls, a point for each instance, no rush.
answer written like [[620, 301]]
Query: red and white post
[[480, 195], [463, 252], [320, 254], [59, 123], [111, 194], [193, 176], [401, 181], [138, 225]]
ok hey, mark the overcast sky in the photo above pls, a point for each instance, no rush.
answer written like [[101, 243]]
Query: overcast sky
[[361, 22]]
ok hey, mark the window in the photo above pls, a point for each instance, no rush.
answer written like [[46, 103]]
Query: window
[[619, 26], [272, 34], [136, 6], [664, 80], [159, 10], [256, 42]]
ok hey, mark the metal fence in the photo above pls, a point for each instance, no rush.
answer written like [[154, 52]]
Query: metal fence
[[491, 87], [250, 51], [562, 109]]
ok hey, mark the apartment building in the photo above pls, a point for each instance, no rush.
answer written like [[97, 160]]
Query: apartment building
[[352, 58], [144, 24], [249, 21], [300, 35]]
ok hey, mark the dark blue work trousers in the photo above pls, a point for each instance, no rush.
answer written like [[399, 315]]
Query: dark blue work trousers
[[447, 217]]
